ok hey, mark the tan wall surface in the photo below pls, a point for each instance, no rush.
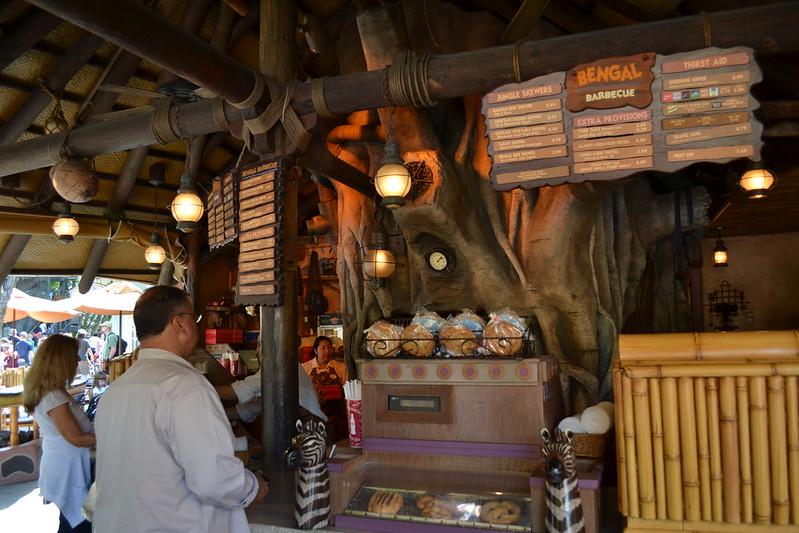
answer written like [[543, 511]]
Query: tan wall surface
[[766, 269]]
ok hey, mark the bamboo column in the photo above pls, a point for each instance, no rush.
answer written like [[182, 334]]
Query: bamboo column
[[621, 429], [792, 421], [703, 447], [629, 449], [758, 417], [777, 451], [714, 435], [747, 496], [688, 448], [656, 414], [671, 449], [643, 448], [729, 451]]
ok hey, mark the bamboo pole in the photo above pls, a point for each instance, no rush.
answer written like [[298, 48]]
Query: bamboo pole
[[621, 455], [792, 423], [781, 511], [714, 436], [730, 459], [671, 449], [656, 415], [688, 448], [758, 419], [629, 446], [639, 525], [643, 448], [703, 447], [747, 496], [715, 370]]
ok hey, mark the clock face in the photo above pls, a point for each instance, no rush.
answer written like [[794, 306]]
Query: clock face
[[438, 260]]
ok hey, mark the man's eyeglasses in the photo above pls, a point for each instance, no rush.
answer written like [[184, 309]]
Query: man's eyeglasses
[[196, 320]]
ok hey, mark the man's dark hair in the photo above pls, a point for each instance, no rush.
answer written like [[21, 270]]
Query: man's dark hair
[[155, 308], [319, 340]]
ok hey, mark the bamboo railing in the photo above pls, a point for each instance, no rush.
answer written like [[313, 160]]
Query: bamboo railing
[[708, 431]]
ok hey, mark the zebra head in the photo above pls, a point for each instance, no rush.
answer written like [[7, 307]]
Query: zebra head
[[560, 461], [311, 443]]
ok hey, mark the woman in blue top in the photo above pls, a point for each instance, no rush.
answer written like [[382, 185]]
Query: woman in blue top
[[64, 473]]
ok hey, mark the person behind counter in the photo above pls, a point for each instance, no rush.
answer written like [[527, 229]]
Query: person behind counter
[[65, 472], [165, 457], [328, 377]]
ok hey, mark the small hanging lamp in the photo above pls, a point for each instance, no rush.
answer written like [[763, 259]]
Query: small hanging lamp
[[392, 181], [720, 252], [756, 182], [65, 226], [379, 262], [187, 207], [155, 254]]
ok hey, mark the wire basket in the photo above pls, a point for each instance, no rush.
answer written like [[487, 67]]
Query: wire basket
[[590, 444]]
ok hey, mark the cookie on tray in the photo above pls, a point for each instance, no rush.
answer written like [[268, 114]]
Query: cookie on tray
[[385, 502], [500, 512]]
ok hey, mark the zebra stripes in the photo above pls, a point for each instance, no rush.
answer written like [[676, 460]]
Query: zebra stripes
[[564, 507], [312, 507]]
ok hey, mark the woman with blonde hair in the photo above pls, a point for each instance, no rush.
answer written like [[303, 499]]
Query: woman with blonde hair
[[65, 472]]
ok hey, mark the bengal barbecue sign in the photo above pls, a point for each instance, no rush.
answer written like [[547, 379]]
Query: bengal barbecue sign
[[614, 117]]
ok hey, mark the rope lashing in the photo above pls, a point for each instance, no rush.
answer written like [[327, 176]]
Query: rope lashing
[[278, 109], [517, 69], [407, 80], [218, 110], [707, 29], [162, 130], [318, 98]]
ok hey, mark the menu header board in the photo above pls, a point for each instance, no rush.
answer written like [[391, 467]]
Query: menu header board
[[260, 279], [612, 118]]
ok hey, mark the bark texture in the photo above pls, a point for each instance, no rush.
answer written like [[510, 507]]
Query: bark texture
[[576, 257]]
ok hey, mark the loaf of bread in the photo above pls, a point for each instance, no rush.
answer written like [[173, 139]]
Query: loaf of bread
[[458, 340], [385, 502], [382, 340], [500, 512], [417, 341], [502, 338]]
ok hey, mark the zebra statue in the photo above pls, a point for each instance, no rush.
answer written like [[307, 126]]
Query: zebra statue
[[312, 507], [564, 507]]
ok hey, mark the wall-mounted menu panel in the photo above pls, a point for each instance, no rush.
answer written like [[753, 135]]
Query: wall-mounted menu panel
[[222, 211], [615, 117], [260, 279]]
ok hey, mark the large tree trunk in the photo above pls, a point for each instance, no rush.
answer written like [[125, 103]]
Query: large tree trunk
[[572, 256]]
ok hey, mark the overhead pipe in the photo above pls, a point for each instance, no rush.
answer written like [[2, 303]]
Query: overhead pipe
[[33, 29]]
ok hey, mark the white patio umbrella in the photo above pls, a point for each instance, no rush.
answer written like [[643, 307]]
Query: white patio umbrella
[[21, 304]]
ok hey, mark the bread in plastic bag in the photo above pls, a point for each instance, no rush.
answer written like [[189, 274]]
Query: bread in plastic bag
[[383, 339], [430, 320], [417, 340], [503, 334]]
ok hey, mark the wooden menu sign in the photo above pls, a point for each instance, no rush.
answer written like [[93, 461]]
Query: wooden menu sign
[[260, 235], [222, 211], [615, 117]]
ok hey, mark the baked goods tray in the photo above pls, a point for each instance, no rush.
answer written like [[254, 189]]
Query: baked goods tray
[[474, 347], [494, 512]]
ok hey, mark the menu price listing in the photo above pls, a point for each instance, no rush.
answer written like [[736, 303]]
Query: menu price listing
[[222, 211], [260, 227], [619, 116]]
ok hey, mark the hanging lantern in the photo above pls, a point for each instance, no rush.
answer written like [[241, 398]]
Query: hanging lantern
[[379, 262], [65, 226], [74, 180], [720, 254], [155, 254], [187, 207], [756, 182], [392, 181]]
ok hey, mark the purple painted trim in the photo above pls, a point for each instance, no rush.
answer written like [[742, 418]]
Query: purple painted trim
[[394, 526], [443, 447]]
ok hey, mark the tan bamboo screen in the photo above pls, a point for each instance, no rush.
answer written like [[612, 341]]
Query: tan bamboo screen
[[708, 431]]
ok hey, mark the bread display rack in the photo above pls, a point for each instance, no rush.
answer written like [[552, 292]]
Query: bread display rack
[[448, 442]]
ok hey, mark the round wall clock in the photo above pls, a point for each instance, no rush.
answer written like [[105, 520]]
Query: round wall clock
[[440, 260]]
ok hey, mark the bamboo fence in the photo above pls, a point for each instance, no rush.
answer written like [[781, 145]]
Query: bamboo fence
[[708, 431]]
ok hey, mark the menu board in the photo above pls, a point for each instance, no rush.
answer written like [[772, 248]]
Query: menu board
[[615, 117], [222, 211], [260, 279]]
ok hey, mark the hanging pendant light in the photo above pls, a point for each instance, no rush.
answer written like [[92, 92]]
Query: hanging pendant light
[[379, 262], [155, 254], [720, 252], [756, 182], [187, 207], [65, 226], [392, 181]]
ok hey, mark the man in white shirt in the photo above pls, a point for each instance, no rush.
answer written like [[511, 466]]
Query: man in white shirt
[[165, 457]]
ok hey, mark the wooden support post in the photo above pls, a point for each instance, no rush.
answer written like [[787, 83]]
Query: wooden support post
[[279, 380]]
